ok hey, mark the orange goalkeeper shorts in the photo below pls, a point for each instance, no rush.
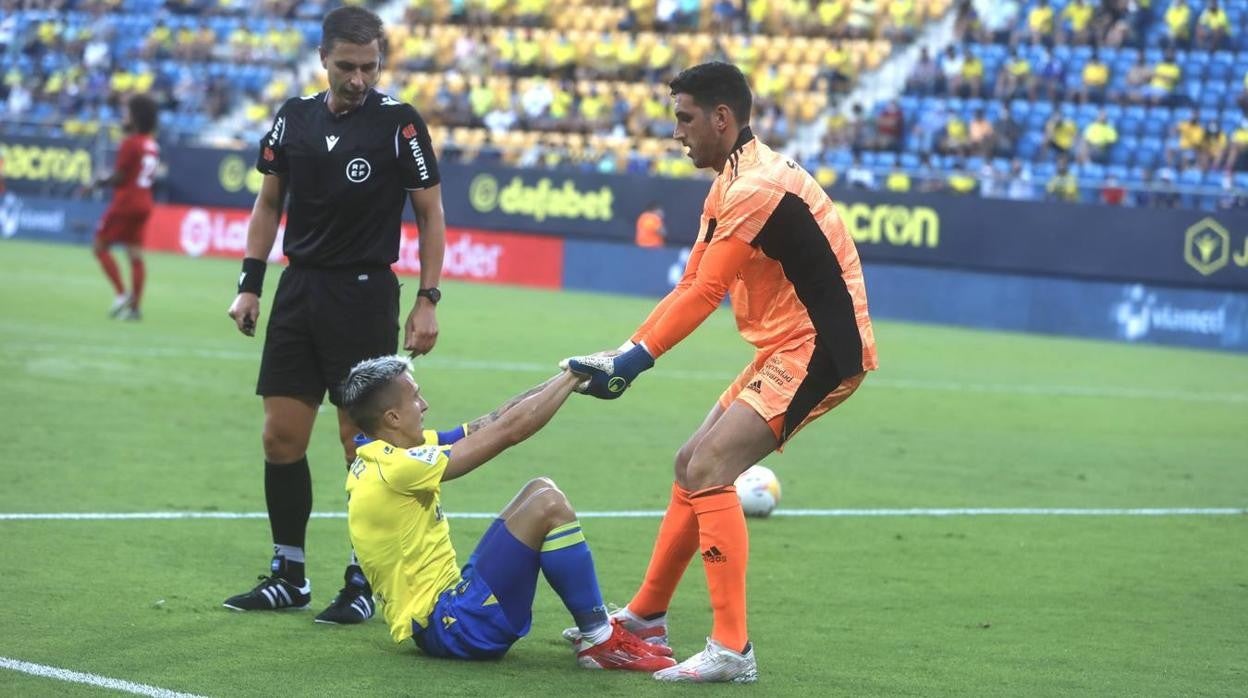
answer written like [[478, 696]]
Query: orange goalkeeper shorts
[[789, 388]]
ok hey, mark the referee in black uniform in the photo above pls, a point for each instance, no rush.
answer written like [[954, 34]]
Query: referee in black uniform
[[347, 158]]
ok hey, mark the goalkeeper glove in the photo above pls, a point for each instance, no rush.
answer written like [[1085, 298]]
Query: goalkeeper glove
[[610, 376]]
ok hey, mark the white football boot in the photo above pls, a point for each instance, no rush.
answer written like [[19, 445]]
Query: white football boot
[[120, 305], [715, 664]]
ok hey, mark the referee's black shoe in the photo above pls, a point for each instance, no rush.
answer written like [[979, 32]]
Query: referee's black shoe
[[354, 602], [273, 593]]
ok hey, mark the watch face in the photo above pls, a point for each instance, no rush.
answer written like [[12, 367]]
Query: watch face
[[432, 294]]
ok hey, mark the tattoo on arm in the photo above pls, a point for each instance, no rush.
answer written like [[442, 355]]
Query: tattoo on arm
[[486, 420]]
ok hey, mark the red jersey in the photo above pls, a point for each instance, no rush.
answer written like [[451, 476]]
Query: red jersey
[[136, 161]]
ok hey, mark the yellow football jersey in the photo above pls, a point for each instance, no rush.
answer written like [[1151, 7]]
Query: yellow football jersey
[[400, 534]]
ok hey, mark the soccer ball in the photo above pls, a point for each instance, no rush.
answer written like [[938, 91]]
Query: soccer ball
[[759, 490]]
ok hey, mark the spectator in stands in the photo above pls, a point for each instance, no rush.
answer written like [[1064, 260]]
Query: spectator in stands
[[1213, 28], [1020, 186], [500, 119], [1179, 24], [1040, 23], [836, 132], [1164, 193], [1052, 77], [1142, 17], [930, 129], [535, 100], [1006, 134], [925, 78], [665, 15], [890, 127], [996, 20], [1189, 137], [725, 17], [1109, 23], [1095, 79], [1014, 78], [689, 15], [1237, 150], [530, 14], [651, 231], [1063, 185], [901, 23], [839, 67], [1077, 22], [972, 75], [993, 181], [951, 68], [961, 182], [861, 129], [965, 20], [1232, 196], [1098, 138], [980, 136], [859, 176], [831, 16], [898, 180], [1166, 75], [929, 179], [1138, 79], [1212, 147], [1060, 133], [1242, 100], [956, 138], [863, 19], [1112, 193]]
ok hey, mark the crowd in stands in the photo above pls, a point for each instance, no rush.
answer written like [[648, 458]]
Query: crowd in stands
[[583, 83], [1124, 102], [67, 65]]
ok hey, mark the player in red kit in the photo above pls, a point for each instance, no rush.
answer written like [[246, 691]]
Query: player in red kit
[[127, 215]]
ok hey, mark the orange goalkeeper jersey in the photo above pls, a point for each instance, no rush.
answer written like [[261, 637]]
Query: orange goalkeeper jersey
[[771, 238]]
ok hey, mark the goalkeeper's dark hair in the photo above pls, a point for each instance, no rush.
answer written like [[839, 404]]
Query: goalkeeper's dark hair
[[370, 389], [715, 83], [354, 25], [143, 113]]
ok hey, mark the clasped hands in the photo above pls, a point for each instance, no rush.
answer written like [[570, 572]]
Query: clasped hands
[[609, 373]]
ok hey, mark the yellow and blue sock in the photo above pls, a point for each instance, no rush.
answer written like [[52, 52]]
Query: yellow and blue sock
[[569, 568]]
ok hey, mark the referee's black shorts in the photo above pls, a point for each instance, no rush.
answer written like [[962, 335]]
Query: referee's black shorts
[[322, 323]]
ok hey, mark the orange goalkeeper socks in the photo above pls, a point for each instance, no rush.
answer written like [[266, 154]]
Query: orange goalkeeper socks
[[673, 549], [725, 543]]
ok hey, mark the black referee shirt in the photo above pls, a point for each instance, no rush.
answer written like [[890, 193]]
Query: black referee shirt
[[347, 176]]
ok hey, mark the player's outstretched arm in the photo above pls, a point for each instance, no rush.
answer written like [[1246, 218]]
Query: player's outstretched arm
[[266, 214], [513, 422]]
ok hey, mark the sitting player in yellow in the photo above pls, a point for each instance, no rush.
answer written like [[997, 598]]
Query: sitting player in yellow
[[403, 543]]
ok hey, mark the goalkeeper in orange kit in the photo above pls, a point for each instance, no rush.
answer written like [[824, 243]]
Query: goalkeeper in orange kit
[[771, 239]]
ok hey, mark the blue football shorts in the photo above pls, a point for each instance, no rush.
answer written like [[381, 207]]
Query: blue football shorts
[[491, 607]]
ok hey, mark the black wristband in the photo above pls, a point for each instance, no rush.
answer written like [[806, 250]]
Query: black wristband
[[252, 278]]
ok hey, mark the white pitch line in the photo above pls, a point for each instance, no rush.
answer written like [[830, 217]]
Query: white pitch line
[[438, 363], [651, 514], [51, 672]]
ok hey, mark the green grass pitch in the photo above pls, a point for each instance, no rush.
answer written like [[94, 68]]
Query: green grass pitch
[[104, 416]]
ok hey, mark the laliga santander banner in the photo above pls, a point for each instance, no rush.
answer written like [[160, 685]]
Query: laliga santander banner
[[471, 255]]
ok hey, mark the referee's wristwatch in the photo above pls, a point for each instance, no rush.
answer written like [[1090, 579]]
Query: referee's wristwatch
[[433, 294]]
